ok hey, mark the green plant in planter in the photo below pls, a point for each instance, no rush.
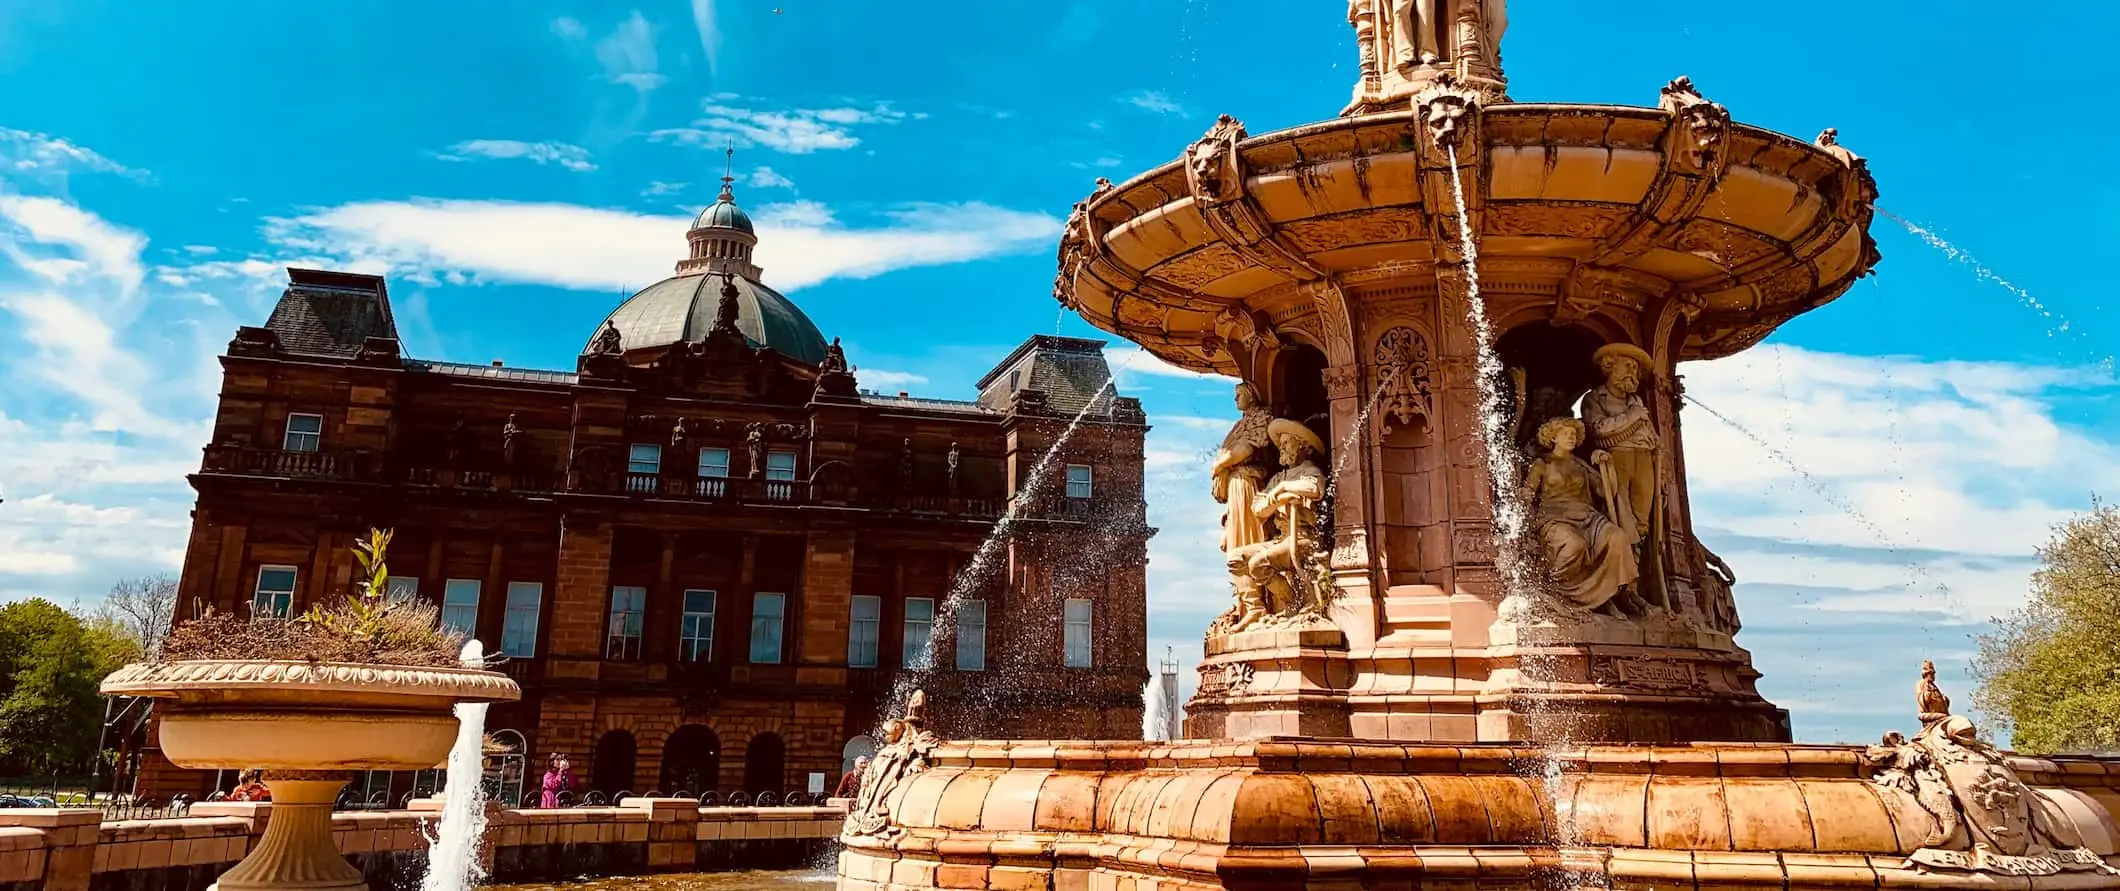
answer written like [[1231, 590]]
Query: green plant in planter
[[365, 626]]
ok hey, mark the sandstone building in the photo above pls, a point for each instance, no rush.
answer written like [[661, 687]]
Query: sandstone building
[[705, 552]]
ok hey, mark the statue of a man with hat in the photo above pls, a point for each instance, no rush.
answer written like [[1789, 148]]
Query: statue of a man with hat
[[1619, 424], [1271, 574]]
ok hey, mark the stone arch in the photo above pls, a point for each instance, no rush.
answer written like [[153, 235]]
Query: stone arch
[[765, 763], [691, 760], [859, 747], [611, 765]]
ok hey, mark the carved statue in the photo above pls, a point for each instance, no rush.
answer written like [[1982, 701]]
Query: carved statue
[[510, 436], [1589, 556], [1619, 424], [725, 313], [1239, 468], [1716, 583], [905, 467], [1415, 29], [1208, 159], [1273, 576], [907, 750], [835, 358], [951, 465], [608, 342], [678, 434], [1984, 819], [754, 445]]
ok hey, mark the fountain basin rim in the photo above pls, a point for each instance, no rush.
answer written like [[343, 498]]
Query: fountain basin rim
[[294, 682]]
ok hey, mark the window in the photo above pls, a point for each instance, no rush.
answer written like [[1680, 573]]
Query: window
[[766, 612], [304, 433], [1014, 378], [866, 631], [1075, 633], [275, 592], [622, 638], [713, 472], [971, 635], [1078, 481], [460, 606], [519, 628], [643, 465], [919, 627], [780, 472], [695, 635], [403, 590]]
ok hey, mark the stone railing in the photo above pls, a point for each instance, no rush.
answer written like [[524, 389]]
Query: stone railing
[[73, 849]]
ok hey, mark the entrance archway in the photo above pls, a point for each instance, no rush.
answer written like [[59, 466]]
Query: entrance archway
[[691, 761], [765, 764], [612, 769]]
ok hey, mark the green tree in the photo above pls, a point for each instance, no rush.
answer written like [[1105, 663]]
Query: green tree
[[51, 661], [2052, 668]]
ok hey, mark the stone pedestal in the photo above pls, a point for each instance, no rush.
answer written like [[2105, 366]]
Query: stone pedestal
[[1656, 680], [1286, 682]]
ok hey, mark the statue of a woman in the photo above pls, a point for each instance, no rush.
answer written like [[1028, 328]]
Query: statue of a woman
[[1238, 469], [1589, 558]]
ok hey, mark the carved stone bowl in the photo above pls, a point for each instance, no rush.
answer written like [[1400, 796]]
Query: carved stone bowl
[[1581, 204], [305, 725]]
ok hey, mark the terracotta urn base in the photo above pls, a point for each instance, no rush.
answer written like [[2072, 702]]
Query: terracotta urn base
[[306, 726]]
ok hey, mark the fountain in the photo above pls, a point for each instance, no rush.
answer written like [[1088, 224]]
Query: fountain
[[1508, 662]]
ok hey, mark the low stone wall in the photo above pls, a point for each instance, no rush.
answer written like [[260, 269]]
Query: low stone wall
[[72, 849]]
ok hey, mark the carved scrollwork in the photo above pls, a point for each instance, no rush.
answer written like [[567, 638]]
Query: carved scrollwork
[[1212, 168], [908, 750], [1403, 378], [1335, 325], [1707, 126], [1075, 246]]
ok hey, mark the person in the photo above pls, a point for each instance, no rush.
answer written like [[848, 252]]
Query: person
[[249, 787], [850, 782], [559, 777]]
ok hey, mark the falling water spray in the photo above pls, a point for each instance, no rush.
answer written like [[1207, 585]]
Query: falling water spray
[[452, 854]]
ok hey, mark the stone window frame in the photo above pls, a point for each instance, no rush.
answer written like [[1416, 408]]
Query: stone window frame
[[920, 657], [694, 643], [312, 441], [874, 623], [516, 615], [449, 603], [622, 627], [282, 601], [779, 627], [1088, 481], [1078, 634], [965, 610]]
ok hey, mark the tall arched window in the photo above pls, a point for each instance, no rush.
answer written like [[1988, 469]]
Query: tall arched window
[[765, 764], [613, 770], [691, 761]]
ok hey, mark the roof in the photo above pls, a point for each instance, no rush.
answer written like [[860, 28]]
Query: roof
[[325, 313], [492, 372], [681, 309], [724, 214], [871, 397], [1070, 371]]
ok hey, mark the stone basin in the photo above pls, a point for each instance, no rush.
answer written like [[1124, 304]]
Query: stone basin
[[1299, 812]]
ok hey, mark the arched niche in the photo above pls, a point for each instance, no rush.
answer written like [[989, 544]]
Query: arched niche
[[1295, 387], [691, 760], [765, 764], [1554, 364], [612, 765]]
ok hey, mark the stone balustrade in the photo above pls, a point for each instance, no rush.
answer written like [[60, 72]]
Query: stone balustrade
[[72, 849]]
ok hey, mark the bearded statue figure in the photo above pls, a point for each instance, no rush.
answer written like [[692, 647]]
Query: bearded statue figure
[[1279, 577]]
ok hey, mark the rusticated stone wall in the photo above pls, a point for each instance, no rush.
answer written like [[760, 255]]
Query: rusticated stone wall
[[71, 849]]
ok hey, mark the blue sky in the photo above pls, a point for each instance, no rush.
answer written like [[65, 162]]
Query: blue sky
[[512, 167]]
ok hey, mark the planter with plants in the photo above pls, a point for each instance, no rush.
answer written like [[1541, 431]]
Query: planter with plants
[[368, 682]]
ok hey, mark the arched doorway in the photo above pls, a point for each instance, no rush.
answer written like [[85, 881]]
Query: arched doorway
[[858, 747], [765, 764], [505, 765], [613, 765], [1551, 366], [691, 761]]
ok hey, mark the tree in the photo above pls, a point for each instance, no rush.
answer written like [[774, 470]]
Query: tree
[[2052, 668], [51, 661], [144, 607]]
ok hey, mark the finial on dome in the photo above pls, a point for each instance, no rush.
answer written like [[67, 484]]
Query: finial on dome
[[728, 172]]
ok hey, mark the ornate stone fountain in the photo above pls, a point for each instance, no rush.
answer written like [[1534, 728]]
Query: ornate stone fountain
[[1502, 656]]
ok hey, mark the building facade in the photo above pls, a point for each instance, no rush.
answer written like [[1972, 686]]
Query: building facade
[[707, 555]]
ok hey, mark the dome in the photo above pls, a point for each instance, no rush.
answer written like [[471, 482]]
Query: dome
[[724, 214], [681, 309]]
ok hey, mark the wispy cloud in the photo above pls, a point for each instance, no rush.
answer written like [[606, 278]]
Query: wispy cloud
[[41, 155], [709, 28], [627, 54], [800, 244], [1153, 101], [768, 178], [871, 377], [658, 188], [799, 131], [569, 29], [572, 157]]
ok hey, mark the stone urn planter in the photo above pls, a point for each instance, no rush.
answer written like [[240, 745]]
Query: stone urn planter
[[306, 725]]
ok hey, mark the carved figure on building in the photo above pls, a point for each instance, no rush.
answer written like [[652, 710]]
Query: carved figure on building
[[1620, 425], [1284, 579], [905, 467], [725, 312], [1403, 377], [1716, 583], [1707, 123], [754, 446], [678, 434], [1589, 554], [1211, 161], [511, 437], [1421, 37], [1984, 819], [950, 467], [608, 341], [1242, 464], [835, 358], [908, 749]]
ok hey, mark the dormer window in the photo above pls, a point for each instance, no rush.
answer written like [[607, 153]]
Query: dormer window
[[305, 432]]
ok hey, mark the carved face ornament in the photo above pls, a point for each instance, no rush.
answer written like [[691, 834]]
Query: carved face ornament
[[1442, 115]]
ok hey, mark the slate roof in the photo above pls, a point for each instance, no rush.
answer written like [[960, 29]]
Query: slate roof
[[492, 372], [681, 309], [324, 313], [1071, 371]]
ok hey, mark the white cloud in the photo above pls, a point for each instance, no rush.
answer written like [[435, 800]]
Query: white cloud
[[627, 54], [572, 157], [588, 248], [704, 22], [871, 377], [1154, 101], [768, 178], [1131, 363], [658, 188], [201, 250], [43, 155], [569, 29], [798, 131]]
